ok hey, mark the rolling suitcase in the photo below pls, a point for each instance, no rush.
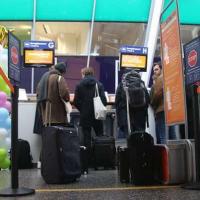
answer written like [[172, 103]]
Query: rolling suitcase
[[60, 156], [161, 163], [123, 165], [141, 158], [141, 154], [104, 152]]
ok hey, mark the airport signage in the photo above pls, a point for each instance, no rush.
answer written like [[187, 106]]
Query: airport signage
[[14, 63], [39, 53], [134, 57], [192, 61]]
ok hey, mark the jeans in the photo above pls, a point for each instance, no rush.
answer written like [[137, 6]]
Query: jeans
[[160, 129]]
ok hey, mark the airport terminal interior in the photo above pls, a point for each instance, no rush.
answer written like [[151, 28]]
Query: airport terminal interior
[[95, 33]]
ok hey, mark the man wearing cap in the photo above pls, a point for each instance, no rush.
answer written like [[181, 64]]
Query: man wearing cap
[[51, 91]]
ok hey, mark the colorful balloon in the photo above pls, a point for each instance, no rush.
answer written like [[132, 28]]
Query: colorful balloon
[[3, 114], [5, 163], [3, 154], [3, 98], [3, 86], [7, 105], [7, 123], [7, 143], [3, 134]]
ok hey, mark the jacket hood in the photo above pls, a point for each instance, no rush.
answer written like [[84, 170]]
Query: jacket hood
[[89, 80]]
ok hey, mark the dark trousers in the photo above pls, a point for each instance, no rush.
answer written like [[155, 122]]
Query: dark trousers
[[87, 137], [86, 131]]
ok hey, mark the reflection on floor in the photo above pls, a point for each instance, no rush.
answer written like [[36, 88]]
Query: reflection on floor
[[97, 185]]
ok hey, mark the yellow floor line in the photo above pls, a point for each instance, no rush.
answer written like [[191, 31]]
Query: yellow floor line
[[106, 189]]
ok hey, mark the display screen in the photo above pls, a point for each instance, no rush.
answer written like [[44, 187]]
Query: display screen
[[138, 62], [38, 53], [38, 56]]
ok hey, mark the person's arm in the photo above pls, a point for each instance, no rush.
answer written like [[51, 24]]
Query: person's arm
[[102, 94], [63, 89], [77, 99], [156, 93]]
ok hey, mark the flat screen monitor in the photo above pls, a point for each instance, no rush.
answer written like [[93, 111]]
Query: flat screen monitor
[[38, 54], [133, 61]]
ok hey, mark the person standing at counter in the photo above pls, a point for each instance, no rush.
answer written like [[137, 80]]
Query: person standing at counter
[[83, 101], [50, 93]]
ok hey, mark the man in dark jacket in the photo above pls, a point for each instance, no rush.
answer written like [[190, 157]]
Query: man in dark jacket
[[83, 100]]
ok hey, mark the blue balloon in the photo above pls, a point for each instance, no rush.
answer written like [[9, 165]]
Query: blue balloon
[[4, 114], [7, 123]]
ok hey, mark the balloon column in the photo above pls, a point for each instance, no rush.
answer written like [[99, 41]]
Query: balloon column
[[5, 130]]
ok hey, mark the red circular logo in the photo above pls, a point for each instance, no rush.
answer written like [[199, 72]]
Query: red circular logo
[[14, 55], [192, 58]]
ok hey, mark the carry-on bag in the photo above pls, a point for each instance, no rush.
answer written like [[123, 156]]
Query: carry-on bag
[[123, 164], [104, 152], [141, 154], [161, 163], [24, 160], [60, 156]]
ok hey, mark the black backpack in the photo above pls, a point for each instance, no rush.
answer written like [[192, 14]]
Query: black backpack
[[136, 90], [24, 155]]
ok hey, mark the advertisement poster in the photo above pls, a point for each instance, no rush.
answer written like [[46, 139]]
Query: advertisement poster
[[192, 61], [174, 98], [14, 62]]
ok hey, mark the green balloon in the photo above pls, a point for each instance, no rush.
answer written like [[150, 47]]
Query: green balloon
[[5, 163], [3, 154], [4, 87], [7, 90], [2, 83]]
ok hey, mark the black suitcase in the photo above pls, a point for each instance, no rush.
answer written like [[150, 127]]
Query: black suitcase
[[104, 152], [141, 153], [141, 158], [60, 156], [123, 164]]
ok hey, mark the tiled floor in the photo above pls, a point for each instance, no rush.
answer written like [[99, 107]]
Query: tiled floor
[[97, 185]]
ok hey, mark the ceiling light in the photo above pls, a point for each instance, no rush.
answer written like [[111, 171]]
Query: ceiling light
[[46, 28]]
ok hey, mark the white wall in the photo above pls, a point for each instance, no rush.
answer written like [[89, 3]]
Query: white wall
[[26, 118]]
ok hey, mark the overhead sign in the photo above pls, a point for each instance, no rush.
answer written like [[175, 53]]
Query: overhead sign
[[192, 61], [174, 98], [134, 57], [39, 53], [14, 63]]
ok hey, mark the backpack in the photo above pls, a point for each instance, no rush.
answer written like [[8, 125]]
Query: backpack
[[24, 155], [136, 90]]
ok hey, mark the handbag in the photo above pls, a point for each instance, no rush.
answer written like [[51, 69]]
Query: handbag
[[67, 104], [99, 108]]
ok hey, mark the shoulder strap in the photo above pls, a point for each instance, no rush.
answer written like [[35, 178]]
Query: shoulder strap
[[96, 90], [127, 107]]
